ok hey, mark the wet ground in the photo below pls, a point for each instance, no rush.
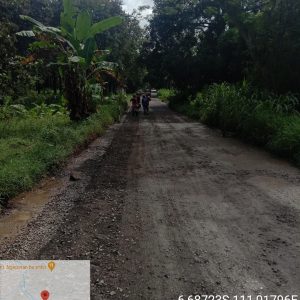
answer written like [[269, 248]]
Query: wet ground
[[166, 207]]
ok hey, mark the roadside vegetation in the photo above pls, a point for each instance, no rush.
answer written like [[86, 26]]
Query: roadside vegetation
[[233, 65], [166, 94], [36, 141], [259, 117], [197, 43], [64, 68]]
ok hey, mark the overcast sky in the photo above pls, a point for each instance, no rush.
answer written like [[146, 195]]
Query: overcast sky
[[130, 5]]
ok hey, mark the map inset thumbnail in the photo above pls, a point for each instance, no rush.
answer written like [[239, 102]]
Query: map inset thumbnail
[[40, 280]]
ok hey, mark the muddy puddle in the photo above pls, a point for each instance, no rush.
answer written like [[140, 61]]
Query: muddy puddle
[[26, 206], [22, 208]]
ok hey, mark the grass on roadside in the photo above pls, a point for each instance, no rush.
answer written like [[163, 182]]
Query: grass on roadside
[[165, 94], [259, 117], [32, 146]]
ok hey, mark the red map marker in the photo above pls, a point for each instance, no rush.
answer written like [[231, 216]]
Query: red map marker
[[45, 295]]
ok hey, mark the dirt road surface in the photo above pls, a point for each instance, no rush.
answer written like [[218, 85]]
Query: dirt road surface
[[164, 207]]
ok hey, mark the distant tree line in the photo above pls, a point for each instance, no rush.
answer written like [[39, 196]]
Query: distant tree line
[[198, 42]]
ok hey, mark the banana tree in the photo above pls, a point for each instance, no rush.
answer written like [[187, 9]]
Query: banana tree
[[77, 55]]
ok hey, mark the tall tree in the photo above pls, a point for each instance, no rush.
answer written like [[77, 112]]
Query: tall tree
[[76, 52], [124, 42], [193, 43]]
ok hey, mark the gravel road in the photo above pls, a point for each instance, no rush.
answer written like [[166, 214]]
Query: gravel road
[[165, 206]]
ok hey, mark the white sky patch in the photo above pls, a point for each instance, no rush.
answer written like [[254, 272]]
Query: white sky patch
[[130, 5]]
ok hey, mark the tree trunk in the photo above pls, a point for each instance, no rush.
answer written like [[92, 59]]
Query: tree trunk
[[76, 93]]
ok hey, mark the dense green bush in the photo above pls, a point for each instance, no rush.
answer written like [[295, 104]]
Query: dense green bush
[[260, 117], [9, 111], [286, 141], [31, 144], [165, 94]]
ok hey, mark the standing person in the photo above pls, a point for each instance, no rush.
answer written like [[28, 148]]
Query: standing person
[[145, 102], [135, 106], [139, 98]]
